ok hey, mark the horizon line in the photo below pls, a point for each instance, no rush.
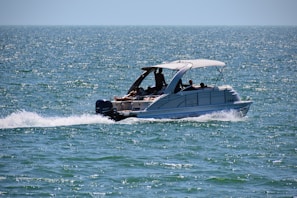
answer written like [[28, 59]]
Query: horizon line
[[147, 25]]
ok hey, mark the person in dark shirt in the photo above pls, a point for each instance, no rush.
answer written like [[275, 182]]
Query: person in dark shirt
[[159, 79], [190, 87], [202, 85]]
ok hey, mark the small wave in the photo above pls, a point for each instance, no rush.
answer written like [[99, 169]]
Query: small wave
[[24, 119]]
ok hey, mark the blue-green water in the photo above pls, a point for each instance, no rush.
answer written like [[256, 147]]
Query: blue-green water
[[52, 143]]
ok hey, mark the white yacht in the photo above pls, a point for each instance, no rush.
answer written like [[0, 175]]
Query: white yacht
[[175, 99]]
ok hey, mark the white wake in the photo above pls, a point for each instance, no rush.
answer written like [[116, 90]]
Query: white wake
[[24, 119]]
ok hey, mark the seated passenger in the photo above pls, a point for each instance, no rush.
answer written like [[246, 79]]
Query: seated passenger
[[190, 87], [202, 85], [149, 90]]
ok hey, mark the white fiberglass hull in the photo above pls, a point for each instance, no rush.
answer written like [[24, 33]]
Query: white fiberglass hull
[[240, 107]]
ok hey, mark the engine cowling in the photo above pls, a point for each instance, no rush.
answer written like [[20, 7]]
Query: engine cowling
[[104, 107]]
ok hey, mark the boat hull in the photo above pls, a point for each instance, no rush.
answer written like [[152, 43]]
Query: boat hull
[[241, 108], [175, 106]]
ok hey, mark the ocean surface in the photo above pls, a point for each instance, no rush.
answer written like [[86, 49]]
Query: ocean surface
[[53, 145]]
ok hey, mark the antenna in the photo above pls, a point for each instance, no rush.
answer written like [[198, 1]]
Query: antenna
[[220, 75]]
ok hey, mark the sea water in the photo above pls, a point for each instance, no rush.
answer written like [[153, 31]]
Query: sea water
[[53, 145]]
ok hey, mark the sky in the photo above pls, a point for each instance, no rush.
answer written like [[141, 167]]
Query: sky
[[148, 12]]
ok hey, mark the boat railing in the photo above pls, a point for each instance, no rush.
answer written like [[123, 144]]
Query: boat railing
[[209, 96]]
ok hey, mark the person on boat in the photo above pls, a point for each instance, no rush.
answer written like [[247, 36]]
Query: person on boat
[[190, 87], [202, 85], [159, 79]]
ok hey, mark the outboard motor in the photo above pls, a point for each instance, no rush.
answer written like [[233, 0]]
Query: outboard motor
[[105, 108]]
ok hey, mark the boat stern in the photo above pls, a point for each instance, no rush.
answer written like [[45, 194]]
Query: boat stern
[[105, 108]]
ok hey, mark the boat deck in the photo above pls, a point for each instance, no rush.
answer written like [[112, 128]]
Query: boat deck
[[134, 105]]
